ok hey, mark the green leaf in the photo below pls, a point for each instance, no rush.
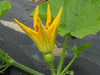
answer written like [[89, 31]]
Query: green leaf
[[81, 48], [88, 21], [79, 17], [4, 7], [78, 50], [43, 9]]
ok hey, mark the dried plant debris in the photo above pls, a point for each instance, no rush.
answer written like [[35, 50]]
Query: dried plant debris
[[38, 1], [2, 40]]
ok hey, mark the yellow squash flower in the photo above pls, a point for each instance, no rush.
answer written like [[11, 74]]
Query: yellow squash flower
[[43, 36]]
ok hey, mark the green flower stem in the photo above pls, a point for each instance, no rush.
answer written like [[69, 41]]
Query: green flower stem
[[49, 59], [31, 71], [63, 54], [52, 69], [68, 66], [5, 60], [9, 61], [3, 66]]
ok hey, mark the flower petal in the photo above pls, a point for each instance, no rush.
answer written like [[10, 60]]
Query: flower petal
[[35, 25], [52, 31], [30, 32], [48, 22], [44, 37], [45, 45]]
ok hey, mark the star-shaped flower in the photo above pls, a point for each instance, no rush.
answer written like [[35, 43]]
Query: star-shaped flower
[[43, 36]]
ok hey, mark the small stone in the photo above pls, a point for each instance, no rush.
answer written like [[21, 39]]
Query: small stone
[[23, 20], [28, 8], [40, 2], [59, 45]]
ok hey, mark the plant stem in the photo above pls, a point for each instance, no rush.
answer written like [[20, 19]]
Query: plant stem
[[67, 66], [5, 60], [49, 59], [31, 71], [52, 69], [9, 61], [63, 54]]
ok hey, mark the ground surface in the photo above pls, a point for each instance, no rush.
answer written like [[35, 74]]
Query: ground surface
[[21, 48]]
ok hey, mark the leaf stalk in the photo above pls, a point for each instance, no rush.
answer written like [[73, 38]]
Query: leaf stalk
[[63, 54], [68, 66]]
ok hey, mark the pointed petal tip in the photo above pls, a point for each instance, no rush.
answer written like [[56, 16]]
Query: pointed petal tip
[[48, 22], [56, 21], [37, 8], [35, 16], [48, 10], [60, 10], [36, 11], [48, 5], [59, 14], [15, 19]]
